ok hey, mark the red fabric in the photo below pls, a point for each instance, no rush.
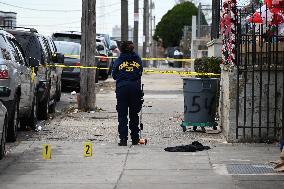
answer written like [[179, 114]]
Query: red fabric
[[277, 19], [256, 18], [268, 3]]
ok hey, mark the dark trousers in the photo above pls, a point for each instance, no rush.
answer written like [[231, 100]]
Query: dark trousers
[[128, 99]]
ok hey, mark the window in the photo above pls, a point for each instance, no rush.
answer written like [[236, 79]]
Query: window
[[4, 52], [14, 51], [19, 52], [45, 53]]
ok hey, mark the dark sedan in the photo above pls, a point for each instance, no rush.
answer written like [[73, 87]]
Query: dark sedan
[[70, 76]]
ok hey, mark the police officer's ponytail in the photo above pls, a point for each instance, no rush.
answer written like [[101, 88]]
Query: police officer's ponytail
[[127, 47]]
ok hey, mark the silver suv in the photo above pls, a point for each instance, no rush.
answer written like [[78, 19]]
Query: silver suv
[[17, 81], [37, 46]]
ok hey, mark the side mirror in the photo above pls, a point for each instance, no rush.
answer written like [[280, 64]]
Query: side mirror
[[113, 47], [33, 62], [58, 58], [100, 48]]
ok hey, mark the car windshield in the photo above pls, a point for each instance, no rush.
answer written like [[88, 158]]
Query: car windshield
[[68, 48], [67, 37]]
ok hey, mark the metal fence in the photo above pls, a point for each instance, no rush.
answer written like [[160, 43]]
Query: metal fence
[[260, 81]]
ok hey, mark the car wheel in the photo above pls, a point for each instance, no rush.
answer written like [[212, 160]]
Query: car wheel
[[42, 109], [104, 75], [13, 122], [32, 120], [58, 92], [97, 77], [3, 140], [51, 108]]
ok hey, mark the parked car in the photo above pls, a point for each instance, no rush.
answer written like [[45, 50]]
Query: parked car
[[3, 128], [36, 46], [70, 77], [107, 39], [70, 36], [104, 62], [56, 71], [17, 83]]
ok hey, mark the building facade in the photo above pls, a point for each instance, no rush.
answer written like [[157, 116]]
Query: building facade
[[8, 19]]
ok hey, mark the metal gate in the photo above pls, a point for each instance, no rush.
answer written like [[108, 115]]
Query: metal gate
[[259, 59]]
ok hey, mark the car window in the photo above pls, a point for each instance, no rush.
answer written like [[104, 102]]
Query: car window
[[19, 52], [52, 46], [67, 37], [68, 48], [45, 53], [4, 52], [14, 50], [30, 45]]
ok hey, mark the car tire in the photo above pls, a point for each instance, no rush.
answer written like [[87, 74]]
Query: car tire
[[104, 75], [13, 122], [51, 108], [32, 120], [58, 92], [3, 141], [42, 109], [97, 77]]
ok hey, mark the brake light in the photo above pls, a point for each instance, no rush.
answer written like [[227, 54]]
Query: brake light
[[4, 72], [103, 59], [77, 64]]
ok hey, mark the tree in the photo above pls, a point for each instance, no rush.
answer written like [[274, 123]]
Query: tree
[[88, 41], [169, 29]]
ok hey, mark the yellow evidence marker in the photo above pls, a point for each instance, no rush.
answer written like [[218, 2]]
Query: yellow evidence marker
[[88, 149], [46, 151]]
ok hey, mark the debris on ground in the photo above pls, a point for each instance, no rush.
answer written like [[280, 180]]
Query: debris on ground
[[193, 147]]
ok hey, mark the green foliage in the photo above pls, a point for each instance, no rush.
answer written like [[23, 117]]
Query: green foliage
[[169, 29], [207, 65]]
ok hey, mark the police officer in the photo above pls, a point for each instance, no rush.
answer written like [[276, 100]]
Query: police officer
[[127, 71]]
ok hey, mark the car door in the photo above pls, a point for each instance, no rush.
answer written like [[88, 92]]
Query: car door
[[27, 85], [52, 68], [55, 71]]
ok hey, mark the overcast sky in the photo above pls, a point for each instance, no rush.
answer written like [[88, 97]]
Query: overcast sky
[[108, 13]]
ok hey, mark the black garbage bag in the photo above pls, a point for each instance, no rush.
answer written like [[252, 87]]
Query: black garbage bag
[[193, 147]]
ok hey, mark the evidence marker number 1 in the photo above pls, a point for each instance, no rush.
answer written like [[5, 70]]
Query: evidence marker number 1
[[46, 151]]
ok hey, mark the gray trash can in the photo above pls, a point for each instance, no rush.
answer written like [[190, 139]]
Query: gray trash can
[[200, 98]]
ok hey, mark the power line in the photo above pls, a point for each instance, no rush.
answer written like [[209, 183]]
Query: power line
[[41, 10], [50, 25]]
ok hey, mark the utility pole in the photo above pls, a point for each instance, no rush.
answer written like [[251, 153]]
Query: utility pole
[[124, 20], [199, 20], [88, 76], [155, 46], [136, 24], [146, 32]]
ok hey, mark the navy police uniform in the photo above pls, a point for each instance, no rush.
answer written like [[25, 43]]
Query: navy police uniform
[[127, 71]]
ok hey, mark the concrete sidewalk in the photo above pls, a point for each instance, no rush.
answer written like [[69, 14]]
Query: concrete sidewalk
[[137, 167]]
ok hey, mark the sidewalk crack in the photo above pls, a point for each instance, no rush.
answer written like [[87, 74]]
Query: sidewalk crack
[[123, 169]]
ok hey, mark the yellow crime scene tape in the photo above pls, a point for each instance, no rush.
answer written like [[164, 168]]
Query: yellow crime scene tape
[[157, 59], [183, 73]]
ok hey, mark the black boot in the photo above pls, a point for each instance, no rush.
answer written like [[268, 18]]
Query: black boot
[[123, 142], [135, 141]]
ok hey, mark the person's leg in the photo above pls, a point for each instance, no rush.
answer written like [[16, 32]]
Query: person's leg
[[135, 106], [122, 110]]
